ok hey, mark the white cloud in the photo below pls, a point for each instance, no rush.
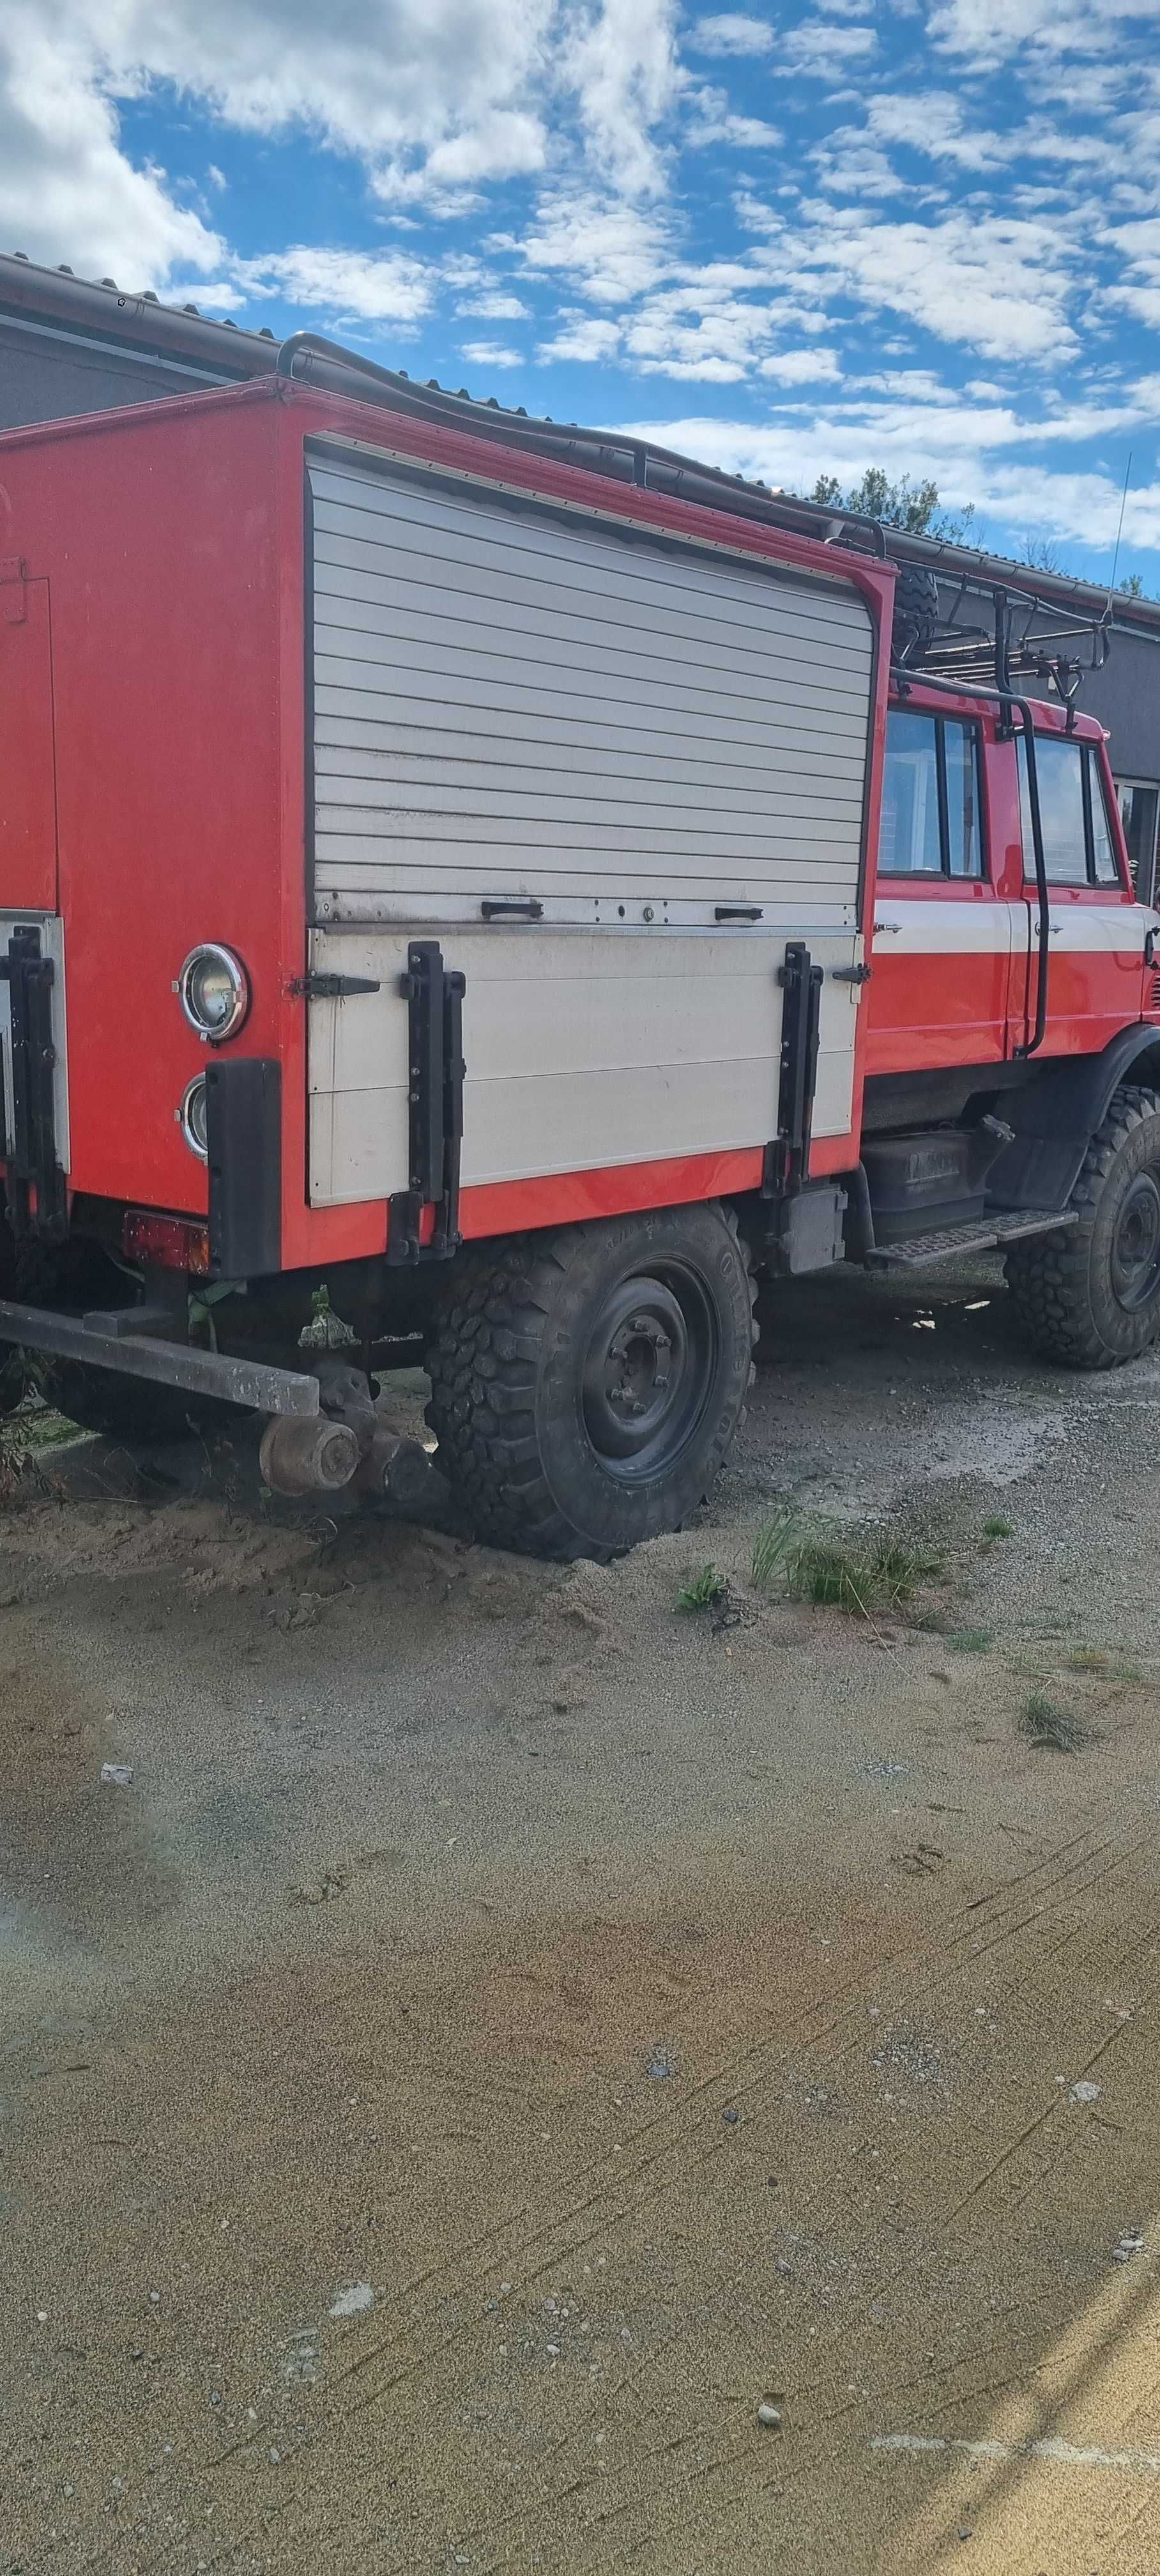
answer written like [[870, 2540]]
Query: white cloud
[[712, 120], [495, 307], [584, 339], [791, 451], [991, 31], [731, 34], [622, 64], [612, 250], [384, 286], [980, 281], [491, 353], [802, 367], [67, 191], [819, 50]]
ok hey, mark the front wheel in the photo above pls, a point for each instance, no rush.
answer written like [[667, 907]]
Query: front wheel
[[586, 1385], [1090, 1295]]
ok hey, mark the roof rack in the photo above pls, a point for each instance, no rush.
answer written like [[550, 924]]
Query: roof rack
[[1024, 637]]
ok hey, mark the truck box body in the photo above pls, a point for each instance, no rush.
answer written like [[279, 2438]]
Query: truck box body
[[316, 679]]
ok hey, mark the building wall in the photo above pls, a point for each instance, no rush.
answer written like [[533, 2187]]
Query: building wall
[[46, 375]]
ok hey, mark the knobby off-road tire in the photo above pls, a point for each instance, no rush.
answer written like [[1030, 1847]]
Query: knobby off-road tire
[[1090, 1295], [586, 1385]]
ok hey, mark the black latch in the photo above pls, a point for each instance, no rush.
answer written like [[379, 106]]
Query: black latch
[[737, 912], [32, 1155], [435, 1071], [787, 1158], [332, 988], [850, 974]]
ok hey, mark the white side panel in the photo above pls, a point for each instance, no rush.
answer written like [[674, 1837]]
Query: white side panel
[[584, 1050], [51, 929], [509, 702]]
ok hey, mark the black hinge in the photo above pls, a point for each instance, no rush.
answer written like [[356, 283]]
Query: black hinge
[[32, 1157], [787, 1158], [435, 1068], [332, 988]]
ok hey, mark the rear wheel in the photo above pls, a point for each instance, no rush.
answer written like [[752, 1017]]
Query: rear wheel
[[586, 1385], [1090, 1294]]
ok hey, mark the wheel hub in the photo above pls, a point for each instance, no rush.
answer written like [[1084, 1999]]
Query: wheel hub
[[647, 1371], [1136, 1243]]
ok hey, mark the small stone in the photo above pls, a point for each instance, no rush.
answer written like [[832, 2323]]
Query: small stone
[[155, 2298], [117, 1775], [964, 2531], [1131, 2242], [731, 2118], [661, 2066], [1085, 2092], [769, 2415]]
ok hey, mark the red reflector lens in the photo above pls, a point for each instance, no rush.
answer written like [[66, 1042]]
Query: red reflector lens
[[174, 1242]]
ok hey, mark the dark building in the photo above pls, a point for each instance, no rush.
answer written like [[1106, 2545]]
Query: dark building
[[69, 345]]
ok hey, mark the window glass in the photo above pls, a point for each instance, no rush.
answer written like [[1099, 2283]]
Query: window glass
[[910, 833], [963, 800], [1138, 814], [1103, 851], [1057, 767]]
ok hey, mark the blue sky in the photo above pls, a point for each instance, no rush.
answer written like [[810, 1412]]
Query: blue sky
[[790, 239]]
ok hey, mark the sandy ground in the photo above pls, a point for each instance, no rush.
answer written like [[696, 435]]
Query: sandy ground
[[506, 2031]]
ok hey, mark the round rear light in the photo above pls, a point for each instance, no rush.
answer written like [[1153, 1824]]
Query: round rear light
[[214, 992], [192, 1116]]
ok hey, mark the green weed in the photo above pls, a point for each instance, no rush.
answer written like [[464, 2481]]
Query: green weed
[[998, 1526], [1051, 1728], [704, 1589], [971, 1641], [770, 1549]]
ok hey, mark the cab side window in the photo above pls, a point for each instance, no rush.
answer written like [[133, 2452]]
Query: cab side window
[[1078, 849], [930, 799]]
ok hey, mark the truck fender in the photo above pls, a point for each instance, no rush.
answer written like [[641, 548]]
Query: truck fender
[[1056, 1115]]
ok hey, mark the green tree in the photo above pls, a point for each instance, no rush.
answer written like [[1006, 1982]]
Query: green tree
[[912, 506], [1131, 586]]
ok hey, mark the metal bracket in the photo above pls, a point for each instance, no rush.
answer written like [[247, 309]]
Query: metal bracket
[[13, 589], [850, 974], [436, 1069], [787, 1158], [32, 1158], [320, 987]]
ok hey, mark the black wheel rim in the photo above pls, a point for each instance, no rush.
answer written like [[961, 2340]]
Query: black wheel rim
[[1136, 1243], [649, 1370]]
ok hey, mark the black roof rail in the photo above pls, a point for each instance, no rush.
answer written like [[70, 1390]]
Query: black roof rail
[[613, 452]]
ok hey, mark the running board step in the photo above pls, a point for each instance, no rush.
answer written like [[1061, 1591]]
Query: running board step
[[921, 1251]]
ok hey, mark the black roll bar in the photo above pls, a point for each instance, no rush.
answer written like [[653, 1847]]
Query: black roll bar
[[651, 467]]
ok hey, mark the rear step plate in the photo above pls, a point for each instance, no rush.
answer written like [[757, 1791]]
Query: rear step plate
[[921, 1251]]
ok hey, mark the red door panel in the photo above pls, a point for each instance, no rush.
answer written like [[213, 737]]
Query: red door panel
[[27, 755]]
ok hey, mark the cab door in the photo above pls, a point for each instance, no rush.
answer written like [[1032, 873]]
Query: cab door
[[28, 854], [1096, 929], [942, 931]]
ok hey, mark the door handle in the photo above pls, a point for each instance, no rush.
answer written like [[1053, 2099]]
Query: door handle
[[886, 925]]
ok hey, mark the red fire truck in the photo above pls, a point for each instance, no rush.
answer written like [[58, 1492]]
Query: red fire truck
[[528, 884]]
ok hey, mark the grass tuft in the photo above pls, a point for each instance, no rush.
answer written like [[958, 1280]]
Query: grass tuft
[[702, 1591], [1051, 1728], [861, 1574], [770, 1549], [998, 1526], [971, 1641]]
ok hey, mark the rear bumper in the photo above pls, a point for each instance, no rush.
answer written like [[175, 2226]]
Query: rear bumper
[[98, 1341]]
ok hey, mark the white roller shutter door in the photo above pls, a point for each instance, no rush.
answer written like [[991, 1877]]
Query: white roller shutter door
[[511, 703]]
